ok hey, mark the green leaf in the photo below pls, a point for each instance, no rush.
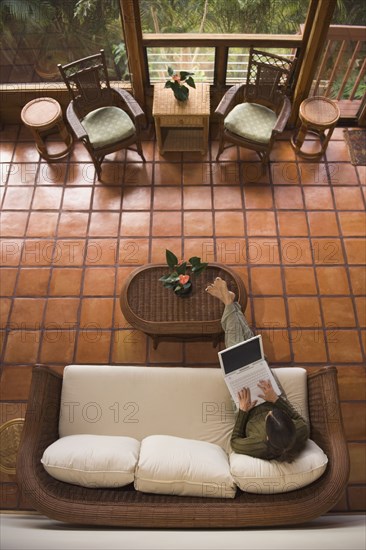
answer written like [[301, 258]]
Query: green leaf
[[168, 84], [187, 285], [198, 269], [195, 260], [181, 269], [170, 71], [183, 75], [171, 259], [190, 82]]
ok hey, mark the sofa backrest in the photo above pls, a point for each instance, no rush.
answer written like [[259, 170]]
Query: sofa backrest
[[193, 403]]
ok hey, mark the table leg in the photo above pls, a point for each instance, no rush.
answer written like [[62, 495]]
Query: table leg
[[155, 341], [299, 139]]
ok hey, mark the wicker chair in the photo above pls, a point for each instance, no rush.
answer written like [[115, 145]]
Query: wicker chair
[[104, 118], [253, 113], [129, 508]]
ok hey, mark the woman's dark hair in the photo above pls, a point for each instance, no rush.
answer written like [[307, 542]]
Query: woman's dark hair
[[281, 433]]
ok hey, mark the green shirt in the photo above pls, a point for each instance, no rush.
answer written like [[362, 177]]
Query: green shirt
[[249, 435]]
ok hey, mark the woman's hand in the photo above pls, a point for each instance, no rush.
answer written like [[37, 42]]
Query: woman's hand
[[245, 401], [268, 393]]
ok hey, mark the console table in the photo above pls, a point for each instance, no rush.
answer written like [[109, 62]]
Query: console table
[[159, 313], [182, 125]]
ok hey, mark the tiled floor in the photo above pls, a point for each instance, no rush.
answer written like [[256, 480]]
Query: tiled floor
[[296, 235]]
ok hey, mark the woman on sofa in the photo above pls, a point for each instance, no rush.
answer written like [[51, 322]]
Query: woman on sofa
[[273, 430]]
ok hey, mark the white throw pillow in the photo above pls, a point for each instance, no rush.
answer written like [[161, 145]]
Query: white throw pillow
[[178, 466], [254, 475], [92, 460]]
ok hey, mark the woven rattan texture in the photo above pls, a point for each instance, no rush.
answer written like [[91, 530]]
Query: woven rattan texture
[[129, 508], [320, 111], [197, 104], [150, 301]]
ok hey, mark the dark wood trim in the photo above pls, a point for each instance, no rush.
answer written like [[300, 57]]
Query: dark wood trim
[[315, 34], [215, 40], [13, 97], [361, 114], [221, 59], [131, 22]]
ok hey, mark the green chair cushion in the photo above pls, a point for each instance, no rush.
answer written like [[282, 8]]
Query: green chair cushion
[[107, 125], [251, 121]]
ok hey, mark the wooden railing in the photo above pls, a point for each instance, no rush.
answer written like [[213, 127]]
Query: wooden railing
[[215, 46], [342, 67]]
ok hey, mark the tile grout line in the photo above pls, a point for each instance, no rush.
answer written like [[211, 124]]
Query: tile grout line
[[43, 330], [13, 298], [282, 265]]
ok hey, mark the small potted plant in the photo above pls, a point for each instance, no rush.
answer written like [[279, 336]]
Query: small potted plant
[[179, 277], [177, 83]]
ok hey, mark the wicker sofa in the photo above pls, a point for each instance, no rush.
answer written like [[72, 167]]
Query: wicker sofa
[[128, 507]]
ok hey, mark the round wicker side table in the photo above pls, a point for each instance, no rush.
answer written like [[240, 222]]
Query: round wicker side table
[[43, 116], [317, 114]]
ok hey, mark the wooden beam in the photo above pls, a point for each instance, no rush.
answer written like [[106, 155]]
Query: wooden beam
[[317, 29], [131, 22], [216, 40]]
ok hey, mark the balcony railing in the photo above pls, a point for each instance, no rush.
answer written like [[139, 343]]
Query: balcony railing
[[342, 67], [218, 59]]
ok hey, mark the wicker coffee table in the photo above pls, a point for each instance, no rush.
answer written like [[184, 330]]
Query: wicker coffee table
[[159, 313]]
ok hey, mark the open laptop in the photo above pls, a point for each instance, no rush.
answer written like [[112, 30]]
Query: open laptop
[[244, 365]]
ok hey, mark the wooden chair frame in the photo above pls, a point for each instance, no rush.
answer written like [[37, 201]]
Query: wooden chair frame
[[269, 83], [89, 87]]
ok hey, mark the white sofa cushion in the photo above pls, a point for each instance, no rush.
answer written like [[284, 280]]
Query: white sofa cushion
[[254, 475], [92, 460], [193, 403], [294, 382], [178, 466]]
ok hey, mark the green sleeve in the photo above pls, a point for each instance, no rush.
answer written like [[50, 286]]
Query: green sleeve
[[251, 446]]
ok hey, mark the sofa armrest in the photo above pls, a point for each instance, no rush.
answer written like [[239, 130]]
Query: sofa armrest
[[40, 429], [326, 427]]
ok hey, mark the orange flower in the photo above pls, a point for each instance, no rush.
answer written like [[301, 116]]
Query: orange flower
[[176, 77], [183, 279]]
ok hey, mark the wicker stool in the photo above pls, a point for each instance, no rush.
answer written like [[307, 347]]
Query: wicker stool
[[317, 114], [43, 116]]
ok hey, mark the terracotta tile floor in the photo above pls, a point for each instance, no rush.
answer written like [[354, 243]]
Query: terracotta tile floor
[[296, 235]]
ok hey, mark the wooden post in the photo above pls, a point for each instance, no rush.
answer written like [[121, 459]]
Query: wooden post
[[133, 40], [315, 34]]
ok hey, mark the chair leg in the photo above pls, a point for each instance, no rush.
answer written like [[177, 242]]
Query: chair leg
[[98, 165], [221, 147], [264, 161], [139, 150]]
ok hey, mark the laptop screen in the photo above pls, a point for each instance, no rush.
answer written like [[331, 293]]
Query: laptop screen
[[244, 354]]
